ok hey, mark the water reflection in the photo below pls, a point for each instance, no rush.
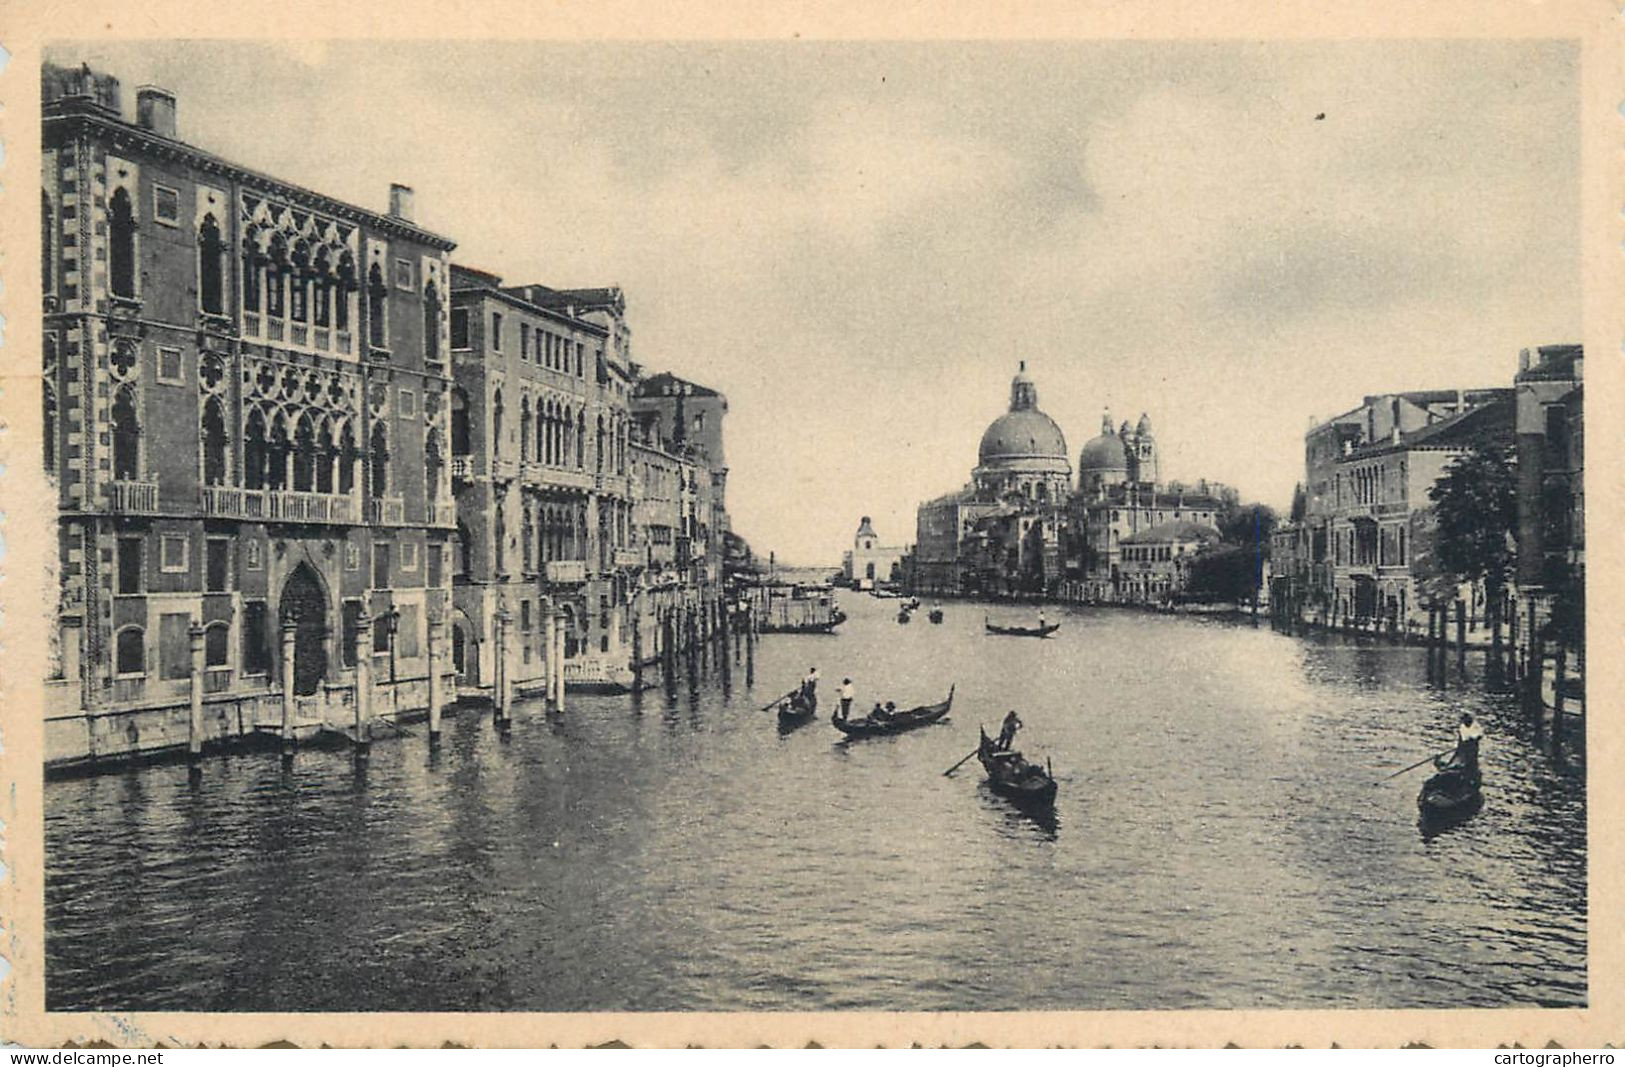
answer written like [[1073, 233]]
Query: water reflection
[[677, 851]]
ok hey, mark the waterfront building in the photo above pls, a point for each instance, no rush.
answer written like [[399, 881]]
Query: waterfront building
[[685, 418], [1155, 562], [1366, 515], [1549, 395], [541, 461], [247, 402], [868, 561], [1021, 481]]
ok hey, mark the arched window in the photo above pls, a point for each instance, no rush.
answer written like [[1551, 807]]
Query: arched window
[[254, 451], [121, 242], [126, 436], [527, 535], [432, 464], [251, 271], [347, 459], [214, 443], [431, 321], [276, 279], [465, 549], [326, 456], [598, 453], [581, 440], [304, 455], [524, 429], [277, 449], [299, 283], [131, 651], [49, 427], [211, 282], [322, 294], [460, 444], [376, 292], [500, 529], [379, 459], [341, 292], [496, 425]]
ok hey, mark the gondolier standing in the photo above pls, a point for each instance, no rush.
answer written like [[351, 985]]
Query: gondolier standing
[[809, 687], [847, 693], [1465, 757], [1007, 732]]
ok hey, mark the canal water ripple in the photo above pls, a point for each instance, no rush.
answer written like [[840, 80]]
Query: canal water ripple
[[1219, 842]]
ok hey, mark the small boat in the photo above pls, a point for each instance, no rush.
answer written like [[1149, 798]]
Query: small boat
[[825, 627], [904, 615], [1451, 794], [793, 710], [936, 615], [896, 724], [913, 604], [1013, 777], [1021, 631]]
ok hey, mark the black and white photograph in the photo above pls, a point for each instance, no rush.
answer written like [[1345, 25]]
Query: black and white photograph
[[809, 525]]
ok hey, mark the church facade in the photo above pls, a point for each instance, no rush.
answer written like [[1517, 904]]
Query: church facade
[[1021, 525]]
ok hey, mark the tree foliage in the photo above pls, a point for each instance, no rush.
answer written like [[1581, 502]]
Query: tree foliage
[[1223, 572], [1475, 506]]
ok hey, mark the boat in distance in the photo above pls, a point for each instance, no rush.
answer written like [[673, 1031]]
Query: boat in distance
[[794, 710], [868, 726], [1013, 777], [1020, 631]]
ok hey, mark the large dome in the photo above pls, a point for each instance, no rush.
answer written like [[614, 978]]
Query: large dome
[[1024, 434], [1104, 453]]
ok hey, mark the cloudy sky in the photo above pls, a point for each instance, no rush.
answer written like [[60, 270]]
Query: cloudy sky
[[857, 243]]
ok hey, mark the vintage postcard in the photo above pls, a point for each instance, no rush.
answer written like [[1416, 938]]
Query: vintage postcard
[[542, 527]]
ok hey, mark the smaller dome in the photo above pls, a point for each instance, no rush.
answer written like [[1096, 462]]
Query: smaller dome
[[1104, 453], [1144, 428]]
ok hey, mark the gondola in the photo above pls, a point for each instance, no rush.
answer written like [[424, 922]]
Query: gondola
[[1014, 778], [1450, 794], [936, 615], [1021, 631], [826, 627], [793, 710], [896, 724], [905, 615]]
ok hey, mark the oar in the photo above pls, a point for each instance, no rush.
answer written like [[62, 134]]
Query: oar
[[774, 702], [961, 763], [1412, 767]]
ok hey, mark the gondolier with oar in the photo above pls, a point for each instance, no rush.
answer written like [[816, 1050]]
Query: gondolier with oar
[[1007, 732], [1464, 759], [847, 695], [809, 688]]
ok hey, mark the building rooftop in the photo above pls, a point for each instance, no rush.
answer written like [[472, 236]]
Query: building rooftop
[[1171, 532], [669, 384]]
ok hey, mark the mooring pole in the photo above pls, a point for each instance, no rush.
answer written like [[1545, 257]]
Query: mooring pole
[[287, 692], [432, 648], [194, 731], [363, 684]]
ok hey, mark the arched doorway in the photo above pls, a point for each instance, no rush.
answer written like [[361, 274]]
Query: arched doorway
[[465, 655], [305, 603]]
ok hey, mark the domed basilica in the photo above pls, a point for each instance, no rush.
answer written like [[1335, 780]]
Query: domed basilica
[[1021, 524]]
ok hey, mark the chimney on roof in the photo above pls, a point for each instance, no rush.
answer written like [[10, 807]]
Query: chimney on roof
[[400, 201], [1523, 360], [155, 110], [1461, 402]]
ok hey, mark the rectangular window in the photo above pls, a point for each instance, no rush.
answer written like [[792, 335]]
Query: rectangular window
[[459, 329], [436, 565], [409, 404], [352, 556], [381, 624], [172, 558], [251, 553], [256, 639], [216, 645], [524, 340], [406, 631], [524, 615], [129, 565], [496, 331], [380, 564], [581, 360], [409, 555], [169, 366], [166, 205], [352, 628], [403, 275], [174, 646], [217, 565]]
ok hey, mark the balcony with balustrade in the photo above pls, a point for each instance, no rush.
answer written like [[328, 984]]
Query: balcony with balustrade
[[277, 505], [127, 497], [386, 511], [628, 558], [566, 571], [443, 514]]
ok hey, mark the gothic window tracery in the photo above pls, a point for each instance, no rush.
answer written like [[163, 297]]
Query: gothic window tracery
[[126, 435], [211, 267], [121, 245]]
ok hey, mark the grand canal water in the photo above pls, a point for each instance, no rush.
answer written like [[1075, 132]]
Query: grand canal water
[[1218, 843]]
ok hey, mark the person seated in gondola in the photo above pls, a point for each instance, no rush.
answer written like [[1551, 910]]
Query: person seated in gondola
[[879, 714], [1007, 732], [1464, 760]]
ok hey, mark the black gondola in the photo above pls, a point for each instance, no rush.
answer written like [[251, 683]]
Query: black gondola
[[793, 710], [905, 615], [1013, 777], [1451, 794], [936, 615], [895, 724], [1021, 631]]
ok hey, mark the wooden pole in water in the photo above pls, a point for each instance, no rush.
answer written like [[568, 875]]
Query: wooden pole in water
[[194, 731], [637, 644], [1461, 636], [499, 689], [558, 677], [363, 680], [551, 666], [433, 647], [287, 691]]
